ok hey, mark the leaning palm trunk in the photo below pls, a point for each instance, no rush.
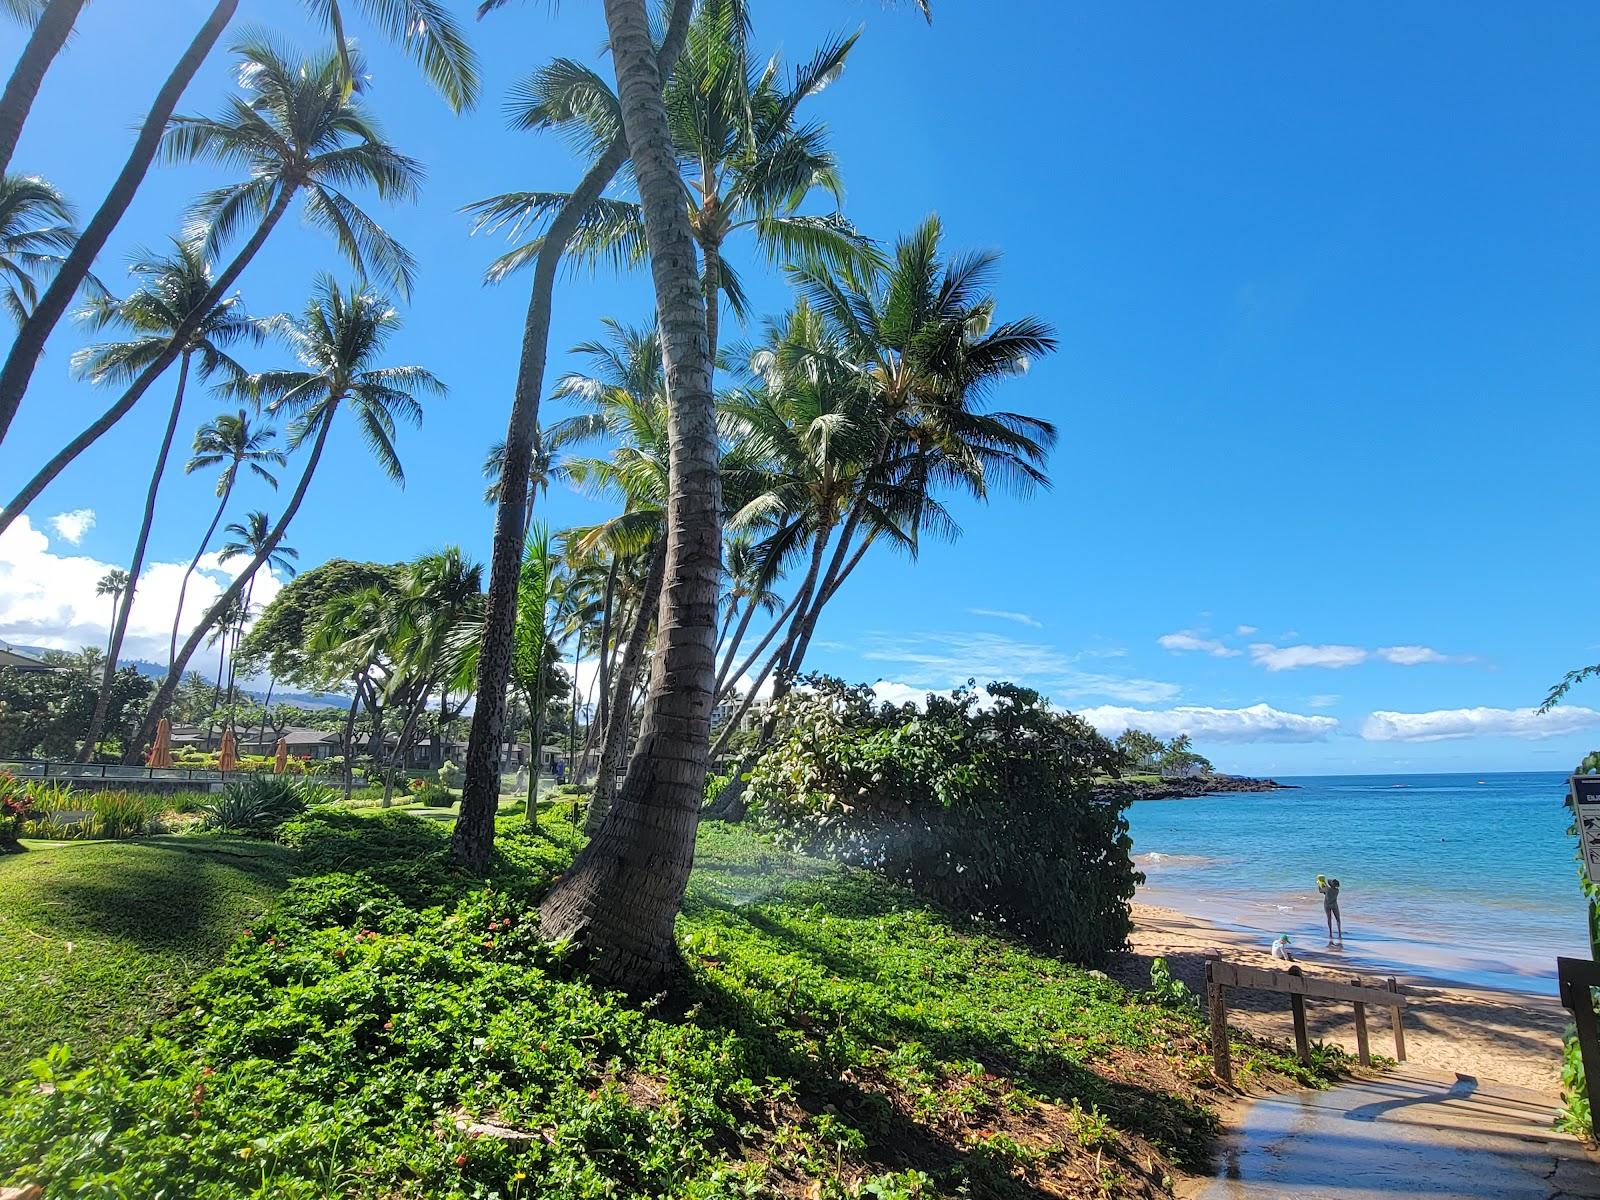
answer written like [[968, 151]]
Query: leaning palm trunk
[[614, 743], [473, 838], [183, 588], [180, 337], [36, 330], [169, 686], [621, 898], [49, 35], [102, 704]]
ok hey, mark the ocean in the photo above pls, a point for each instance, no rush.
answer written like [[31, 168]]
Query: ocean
[[1461, 878]]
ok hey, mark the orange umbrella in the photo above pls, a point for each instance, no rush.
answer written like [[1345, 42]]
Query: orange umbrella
[[228, 756], [161, 748], [280, 761]]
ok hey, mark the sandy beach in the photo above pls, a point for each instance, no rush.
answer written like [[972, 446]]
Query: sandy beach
[[1509, 1037]]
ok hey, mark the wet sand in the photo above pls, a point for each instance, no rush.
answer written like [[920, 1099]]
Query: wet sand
[[1509, 1037]]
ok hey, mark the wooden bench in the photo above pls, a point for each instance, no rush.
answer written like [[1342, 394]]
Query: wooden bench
[[1299, 988]]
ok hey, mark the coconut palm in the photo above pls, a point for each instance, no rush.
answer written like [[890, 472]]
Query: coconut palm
[[494, 462], [439, 612], [231, 441], [50, 23], [172, 286], [751, 163], [250, 537], [425, 29], [338, 341], [473, 838], [24, 354], [35, 231], [621, 897], [298, 135], [113, 583]]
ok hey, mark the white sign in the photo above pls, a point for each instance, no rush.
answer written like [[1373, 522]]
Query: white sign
[[1584, 795]]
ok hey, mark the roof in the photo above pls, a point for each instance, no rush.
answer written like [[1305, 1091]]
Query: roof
[[18, 661]]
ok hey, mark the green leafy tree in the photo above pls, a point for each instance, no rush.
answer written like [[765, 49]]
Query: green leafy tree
[[35, 231], [1138, 748], [43, 714]]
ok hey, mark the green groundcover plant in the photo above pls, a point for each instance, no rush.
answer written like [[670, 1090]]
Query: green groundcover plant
[[987, 807]]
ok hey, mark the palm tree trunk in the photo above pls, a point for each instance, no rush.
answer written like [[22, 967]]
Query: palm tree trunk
[[733, 646], [102, 704], [36, 330], [473, 838], [536, 743], [711, 253], [169, 686], [603, 654], [621, 898], [183, 588], [49, 35], [614, 738], [180, 338]]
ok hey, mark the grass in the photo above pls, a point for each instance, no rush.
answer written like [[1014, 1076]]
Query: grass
[[392, 1028], [97, 937]]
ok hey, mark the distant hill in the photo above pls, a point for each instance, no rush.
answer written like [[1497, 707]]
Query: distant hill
[[152, 670]]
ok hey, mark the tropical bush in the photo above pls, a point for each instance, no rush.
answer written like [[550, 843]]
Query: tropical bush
[[988, 810], [434, 795], [451, 775], [258, 805], [16, 807], [206, 760], [61, 814]]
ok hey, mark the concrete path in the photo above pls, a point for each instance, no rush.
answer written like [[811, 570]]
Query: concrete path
[[1404, 1133]]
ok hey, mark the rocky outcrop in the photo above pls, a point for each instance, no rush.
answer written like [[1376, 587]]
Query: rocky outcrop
[[1179, 789]]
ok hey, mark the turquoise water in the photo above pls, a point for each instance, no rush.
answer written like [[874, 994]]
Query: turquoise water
[[1467, 878]]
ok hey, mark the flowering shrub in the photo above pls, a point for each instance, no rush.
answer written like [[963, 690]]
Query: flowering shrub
[[16, 806], [987, 810]]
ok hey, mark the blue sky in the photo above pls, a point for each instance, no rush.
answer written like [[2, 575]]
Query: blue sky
[[1324, 282]]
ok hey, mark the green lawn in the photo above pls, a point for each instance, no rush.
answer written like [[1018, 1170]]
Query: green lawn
[[97, 936], [393, 1028]]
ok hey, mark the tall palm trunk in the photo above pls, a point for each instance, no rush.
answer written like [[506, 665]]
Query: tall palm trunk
[[603, 654], [183, 588], [49, 35], [102, 704], [711, 254], [621, 898], [733, 646], [36, 330], [473, 839], [159, 364], [614, 736], [169, 686], [350, 739]]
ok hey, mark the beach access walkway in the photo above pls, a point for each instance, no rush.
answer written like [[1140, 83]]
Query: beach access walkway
[[1407, 1132]]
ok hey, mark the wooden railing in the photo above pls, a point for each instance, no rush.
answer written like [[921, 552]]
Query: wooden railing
[[1299, 988]]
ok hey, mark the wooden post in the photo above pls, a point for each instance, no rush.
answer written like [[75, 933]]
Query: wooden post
[[1588, 1039], [1219, 1029], [1363, 1050], [1396, 1015], [1297, 1006]]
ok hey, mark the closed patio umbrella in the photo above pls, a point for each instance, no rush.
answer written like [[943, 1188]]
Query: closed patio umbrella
[[280, 758], [161, 748], [228, 756]]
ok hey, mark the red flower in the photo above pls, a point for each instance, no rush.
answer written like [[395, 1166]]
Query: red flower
[[461, 1160]]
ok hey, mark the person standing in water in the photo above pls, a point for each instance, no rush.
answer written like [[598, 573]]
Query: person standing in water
[[1330, 908]]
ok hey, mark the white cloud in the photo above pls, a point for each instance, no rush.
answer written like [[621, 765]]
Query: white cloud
[[1257, 723], [48, 600], [890, 692], [1452, 723], [71, 526], [938, 661], [1411, 656], [1000, 614], [1322, 700], [1246, 630], [1335, 657], [1186, 640]]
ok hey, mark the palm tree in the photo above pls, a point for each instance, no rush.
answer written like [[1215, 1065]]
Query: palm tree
[[51, 23], [249, 537], [751, 162], [621, 897], [473, 837], [299, 134], [439, 612], [23, 357], [35, 230], [172, 286], [425, 29], [494, 461], [232, 441], [357, 628], [113, 583], [338, 341]]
